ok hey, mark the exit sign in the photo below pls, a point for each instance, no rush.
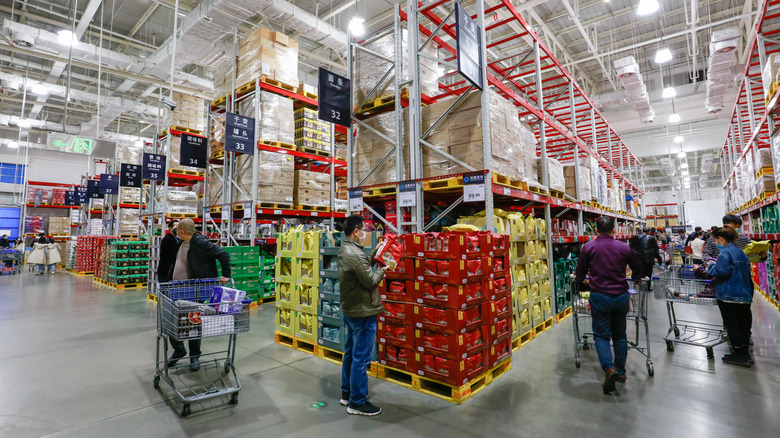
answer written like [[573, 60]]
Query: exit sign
[[70, 143]]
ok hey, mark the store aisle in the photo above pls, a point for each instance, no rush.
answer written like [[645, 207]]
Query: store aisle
[[77, 361]]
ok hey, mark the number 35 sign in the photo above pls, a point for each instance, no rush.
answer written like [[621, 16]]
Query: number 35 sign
[[334, 104]]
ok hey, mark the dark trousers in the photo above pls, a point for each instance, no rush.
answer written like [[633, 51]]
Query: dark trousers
[[647, 271], [178, 346], [738, 320], [608, 312], [358, 351]]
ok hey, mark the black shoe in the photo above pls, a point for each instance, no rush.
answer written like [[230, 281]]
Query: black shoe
[[194, 364], [733, 359], [366, 409], [175, 357], [344, 399], [610, 378]]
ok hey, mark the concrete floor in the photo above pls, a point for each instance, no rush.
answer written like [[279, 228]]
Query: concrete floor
[[78, 361]]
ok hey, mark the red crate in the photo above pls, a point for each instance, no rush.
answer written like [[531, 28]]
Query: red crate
[[406, 291], [500, 287], [454, 372], [500, 330], [397, 357], [455, 346], [412, 245], [404, 270], [394, 334], [499, 352], [500, 309], [452, 271], [397, 313], [455, 246], [499, 243], [450, 321], [447, 296], [499, 266]]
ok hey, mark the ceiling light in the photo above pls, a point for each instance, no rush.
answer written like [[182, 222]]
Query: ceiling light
[[24, 123], [67, 38], [674, 118], [684, 165], [678, 138], [681, 155], [663, 55], [647, 7], [13, 144], [684, 173], [669, 92], [39, 89], [356, 26]]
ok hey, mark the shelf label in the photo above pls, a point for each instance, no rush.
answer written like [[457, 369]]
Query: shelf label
[[334, 98], [314, 213], [277, 211], [154, 166], [507, 191], [407, 194], [129, 175], [207, 216], [109, 184], [193, 151], [248, 210], [239, 134], [226, 209], [356, 200], [474, 187], [468, 39]]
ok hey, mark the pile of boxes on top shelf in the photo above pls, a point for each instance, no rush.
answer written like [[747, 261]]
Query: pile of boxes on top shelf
[[122, 263], [45, 195], [34, 225]]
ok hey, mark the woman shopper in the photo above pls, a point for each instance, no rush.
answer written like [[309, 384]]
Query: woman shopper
[[697, 248], [38, 257], [53, 255], [734, 292]]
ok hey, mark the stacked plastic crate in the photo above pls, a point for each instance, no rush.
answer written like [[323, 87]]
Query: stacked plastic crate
[[330, 320], [527, 259], [124, 262], [267, 281], [562, 269], [245, 269], [85, 259], [297, 284]]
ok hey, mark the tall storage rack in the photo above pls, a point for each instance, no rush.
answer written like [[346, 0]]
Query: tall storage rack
[[522, 69]]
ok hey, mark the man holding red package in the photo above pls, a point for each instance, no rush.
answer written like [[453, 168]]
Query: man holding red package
[[360, 304]]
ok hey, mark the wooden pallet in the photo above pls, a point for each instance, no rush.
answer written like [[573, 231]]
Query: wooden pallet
[[523, 340], [763, 195], [128, 236], [314, 151], [506, 181], [317, 208], [278, 84], [537, 190], [119, 286], [446, 184], [296, 343], [278, 144], [563, 315], [59, 235], [182, 215], [151, 297], [274, 205], [309, 95], [558, 194], [765, 171], [218, 155], [541, 328], [186, 172], [266, 300], [81, 273], [376, 192], [181, 129], [380, 103]]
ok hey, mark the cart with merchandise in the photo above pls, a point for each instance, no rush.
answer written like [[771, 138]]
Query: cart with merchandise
[[678, 255], [193, 310], [680, 285], [14, 256], [637, 314]]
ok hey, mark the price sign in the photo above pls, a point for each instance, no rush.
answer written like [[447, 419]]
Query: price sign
[[334, 98], [109, 184], [207, 216], [407, 194], [248, 210], [154, 167], [82, 195], [129, 175], [226, 209], [468, 39], [193, 150], [239, 134], [473, 187], [356, 200], [93, 190]]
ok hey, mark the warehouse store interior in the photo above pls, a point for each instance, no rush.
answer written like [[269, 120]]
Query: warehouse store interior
[[344, 217]]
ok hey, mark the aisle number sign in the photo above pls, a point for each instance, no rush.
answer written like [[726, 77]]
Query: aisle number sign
[[474, 187], [93, 189], [70, 198], [130, 175], [154, 167], [82, 195], [468, 38], [407, 194], [239, 134], [334, 98], [109, 184], [193, 151], [356, 200]]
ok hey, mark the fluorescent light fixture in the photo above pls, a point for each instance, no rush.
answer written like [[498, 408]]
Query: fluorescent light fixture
[[663, 55], [669, 92], [674, 118], [39, 89], [24, 123], [647, 7], [678, 139], [681, 155], [67, 38], [12, 144], [356, 26], [684, 173]]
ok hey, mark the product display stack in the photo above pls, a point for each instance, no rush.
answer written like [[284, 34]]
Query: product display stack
[[34, 225], [245, 269], [312, 190], [563, 268], [123, 263], [311, 134], [267, 281], [330, 321], [59, 226], [270, 55], [297, 285], [85, 260]]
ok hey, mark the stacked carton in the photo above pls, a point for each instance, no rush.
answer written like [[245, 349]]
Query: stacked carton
[[188, 113], [269, 54], [181, 201], [277, 118], [127, 221], [275, 179], [129, 154], [34, 225], [371, 148], [59, 225], [123, 262], [557, 180], [310, 132], [85, 259], [297, 284], [584, 183], [312, 188]]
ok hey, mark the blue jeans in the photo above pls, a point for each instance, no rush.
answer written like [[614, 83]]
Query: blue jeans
[[609, 321], [361, 338]]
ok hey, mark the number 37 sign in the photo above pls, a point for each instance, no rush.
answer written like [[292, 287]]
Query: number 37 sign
[[334, 102]]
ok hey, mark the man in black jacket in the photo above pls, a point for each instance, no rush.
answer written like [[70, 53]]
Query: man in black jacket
[[196, 257], [168, 247], [646, 247]]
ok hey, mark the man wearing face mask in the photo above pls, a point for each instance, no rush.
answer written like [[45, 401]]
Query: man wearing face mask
[[360, 304], [711, 249]]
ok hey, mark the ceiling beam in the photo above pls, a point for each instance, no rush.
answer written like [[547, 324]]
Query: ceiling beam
[[590, 44]]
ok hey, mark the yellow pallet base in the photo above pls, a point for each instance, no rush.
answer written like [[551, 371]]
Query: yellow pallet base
[[151, 297], [279, 144], [314, 151], [317, 208], [563, 315], [274, 205], [80, 274], [185, 172], [119, 286], [541, 328], [522, 340], [446, 184], [506, 181], [375, 192], [296, 343]]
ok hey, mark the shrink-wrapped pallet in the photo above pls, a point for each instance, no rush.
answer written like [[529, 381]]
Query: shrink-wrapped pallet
[[556, 180], [270, 54], [276, 120]]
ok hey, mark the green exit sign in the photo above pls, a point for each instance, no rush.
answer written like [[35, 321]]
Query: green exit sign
[[70, 143]]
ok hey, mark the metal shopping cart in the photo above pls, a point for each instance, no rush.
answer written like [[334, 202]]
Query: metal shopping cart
[[679, 285], [637, 314], [17, 257], [184, 314]]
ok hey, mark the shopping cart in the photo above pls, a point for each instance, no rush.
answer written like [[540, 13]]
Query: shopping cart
[[677, 255], [637, 313], [679, 285], [17, 257], [182, 314]]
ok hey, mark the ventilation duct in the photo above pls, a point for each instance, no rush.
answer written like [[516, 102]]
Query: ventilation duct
[[704, 181], [723, 45], [613, 98], [23, 39], [636, 92], [667, 166], [706, 163], [6, 120]]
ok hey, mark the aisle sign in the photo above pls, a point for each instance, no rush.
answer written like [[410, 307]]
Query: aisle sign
[[130, 175], [407, 193], [356, 200], [153, 167], [109, 184], [82, 195], [93, 189], [239, 134], [193, 151], [473, 187], [468, 40], [70, 198], [334, 98]]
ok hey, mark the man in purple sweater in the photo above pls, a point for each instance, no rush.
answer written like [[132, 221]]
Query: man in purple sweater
[[604, 261]]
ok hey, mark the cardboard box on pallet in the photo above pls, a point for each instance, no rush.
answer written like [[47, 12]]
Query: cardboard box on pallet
[[557, 180], [277, 117], [304, 196], [312, 180], [585, 182], [269, 54], [454, 372]]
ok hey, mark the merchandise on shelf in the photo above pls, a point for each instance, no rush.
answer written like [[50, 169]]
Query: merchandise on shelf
[[310, 132], [584, 183], [311, 188], [129, 154], [95, 227], [275, 177], [189, 113], [122, 262], [769, 75], [277, 117], [266, 53], [57, 196], [127, 221], [245, 269], [34, 225], [130, 195], [556, 175], [38, 195], [181, 201], [59, 226], [371, 148], [592, 165]]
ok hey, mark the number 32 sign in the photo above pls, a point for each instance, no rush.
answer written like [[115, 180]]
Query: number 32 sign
[[334, 102]]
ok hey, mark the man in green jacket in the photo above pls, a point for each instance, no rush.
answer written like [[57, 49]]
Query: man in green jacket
[[360, 304]]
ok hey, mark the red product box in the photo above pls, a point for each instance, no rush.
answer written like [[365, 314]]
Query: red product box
[[456, 346], [404, 270], [450, 321], [455, 246], [394, 334], [500, 330], [499, 265], [501, 287], [500, 309], [454, 372], [500, 244], [398, 313], [412, 245], [447, 296], [452, 271], [406, 291], [499, 352], [397, 357]]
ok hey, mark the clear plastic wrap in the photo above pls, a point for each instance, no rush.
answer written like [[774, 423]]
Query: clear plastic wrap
[[584, 184], [270, 54], [370, 69], [555, 170], [603, 197], [275, 177], [130, 195], [128, 221], [129, 154], [312, 180], [763, 158], [592, 165], [189, 112], [310, 132], [217, 135], [277, 117], [371, 148]]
